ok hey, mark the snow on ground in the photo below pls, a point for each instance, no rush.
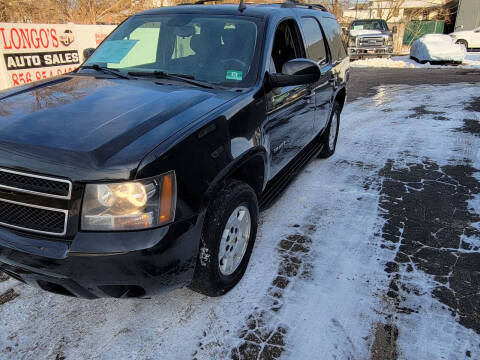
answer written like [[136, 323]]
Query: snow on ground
[[472, 61], [319, 284]]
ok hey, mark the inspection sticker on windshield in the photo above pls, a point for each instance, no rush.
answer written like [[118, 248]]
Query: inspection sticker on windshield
[[234, 75]]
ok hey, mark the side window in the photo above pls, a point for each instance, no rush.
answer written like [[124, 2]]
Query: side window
[[333, 32], [286, 45], [145, 40], [314, 40]]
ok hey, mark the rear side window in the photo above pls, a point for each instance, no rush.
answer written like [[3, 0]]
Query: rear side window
[[314, 40], [333, 32]]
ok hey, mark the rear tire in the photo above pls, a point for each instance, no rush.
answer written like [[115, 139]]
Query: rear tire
[[235, 208], [329, 138]]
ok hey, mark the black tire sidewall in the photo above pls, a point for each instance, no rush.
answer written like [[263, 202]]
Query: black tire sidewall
[[207, 278], [326, 151], [335, 111]]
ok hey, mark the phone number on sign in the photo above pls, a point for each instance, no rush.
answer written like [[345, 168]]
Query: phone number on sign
[[25, 77]]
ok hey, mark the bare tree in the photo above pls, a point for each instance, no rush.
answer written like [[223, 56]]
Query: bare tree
[[94, 11], [61, 11], [388, 9], [17, 11]]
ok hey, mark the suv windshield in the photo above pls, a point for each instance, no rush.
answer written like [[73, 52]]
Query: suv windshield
[[369, 25], [213, 49]]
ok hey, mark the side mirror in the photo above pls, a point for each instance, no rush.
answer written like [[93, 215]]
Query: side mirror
[[87, 53], [296, 72], [394, 29]]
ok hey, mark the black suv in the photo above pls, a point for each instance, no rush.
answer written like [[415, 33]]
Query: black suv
[[144, 170]]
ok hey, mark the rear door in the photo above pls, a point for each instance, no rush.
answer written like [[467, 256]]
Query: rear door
[[317, 50]]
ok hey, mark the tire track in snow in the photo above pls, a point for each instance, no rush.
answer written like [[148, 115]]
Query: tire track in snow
[[262, 336]]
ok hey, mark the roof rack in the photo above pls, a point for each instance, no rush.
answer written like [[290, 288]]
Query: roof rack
[[241, 6], [294, 3], [287, 4]]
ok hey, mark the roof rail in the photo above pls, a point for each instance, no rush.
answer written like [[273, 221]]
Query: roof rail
[[294, 3], [241, 6]]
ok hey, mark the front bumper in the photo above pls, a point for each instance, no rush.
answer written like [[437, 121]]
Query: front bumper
[[356, 52], [113, 266]]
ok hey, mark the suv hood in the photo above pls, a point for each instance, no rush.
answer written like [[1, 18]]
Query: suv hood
[[369, 32], [88, 128]]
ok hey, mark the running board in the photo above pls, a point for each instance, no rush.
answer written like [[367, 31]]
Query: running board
[[279, 183]]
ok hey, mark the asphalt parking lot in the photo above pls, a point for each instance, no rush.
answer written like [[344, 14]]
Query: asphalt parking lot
[[364, 81], [371, 254]]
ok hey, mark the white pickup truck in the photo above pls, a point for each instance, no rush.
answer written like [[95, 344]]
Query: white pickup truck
[[369, 38]]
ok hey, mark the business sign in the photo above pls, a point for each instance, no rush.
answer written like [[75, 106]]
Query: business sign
[[32, 52], [20, 61]]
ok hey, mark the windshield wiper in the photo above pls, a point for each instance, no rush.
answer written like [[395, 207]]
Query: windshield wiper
[[178, 77], [105, 70]]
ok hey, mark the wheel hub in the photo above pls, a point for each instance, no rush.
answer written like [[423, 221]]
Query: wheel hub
[[234, 242]]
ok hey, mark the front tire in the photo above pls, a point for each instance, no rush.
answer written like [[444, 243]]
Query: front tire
[[329, 138], [227, 241]]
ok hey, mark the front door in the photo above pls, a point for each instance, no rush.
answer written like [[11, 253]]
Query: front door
[[291, 109]]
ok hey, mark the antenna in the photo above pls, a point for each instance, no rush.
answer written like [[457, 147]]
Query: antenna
[[242, 5]]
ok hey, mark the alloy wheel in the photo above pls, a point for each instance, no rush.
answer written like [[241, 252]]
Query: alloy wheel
[[234, 242]]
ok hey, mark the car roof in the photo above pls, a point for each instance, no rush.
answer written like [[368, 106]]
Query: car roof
[[255, 10]]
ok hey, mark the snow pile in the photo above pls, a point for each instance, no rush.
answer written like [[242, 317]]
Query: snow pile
[[382, 63], [437, 47], [472, 61]]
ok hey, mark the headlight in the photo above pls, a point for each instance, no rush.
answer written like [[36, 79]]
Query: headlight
[[130, 205], [352, 41], [390, 41]]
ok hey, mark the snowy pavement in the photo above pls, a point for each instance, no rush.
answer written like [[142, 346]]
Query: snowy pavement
[[371, 254], [472, 61]]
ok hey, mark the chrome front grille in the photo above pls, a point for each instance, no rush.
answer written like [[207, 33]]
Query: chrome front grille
[[371, 41], [33, 218], [35, 184], [42, 211]]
